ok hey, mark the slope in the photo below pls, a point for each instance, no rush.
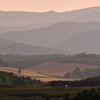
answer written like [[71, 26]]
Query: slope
[[50, 35], [94, 16], [55, 68], [23, 72], [11, 47], [87, 42], [15, 18], [4, 29]]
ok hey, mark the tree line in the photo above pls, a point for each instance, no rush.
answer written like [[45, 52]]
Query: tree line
[[12, 79], [82, 58], [24, 57]]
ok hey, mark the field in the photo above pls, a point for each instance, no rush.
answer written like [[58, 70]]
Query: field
[[47, 71], [56, 79], [55, 68], [37, 93], [23, 72], [33, 74]]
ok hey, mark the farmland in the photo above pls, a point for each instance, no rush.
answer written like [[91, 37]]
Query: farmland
[[36, 93], [23, 72], [55, 68], [32, 74]]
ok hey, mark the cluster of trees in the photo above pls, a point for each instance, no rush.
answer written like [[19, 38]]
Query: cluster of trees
[[12, 79], [77, 73], [3, 63], [92, 94]]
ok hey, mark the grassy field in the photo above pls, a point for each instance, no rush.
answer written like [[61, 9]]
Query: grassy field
[[37, 93]]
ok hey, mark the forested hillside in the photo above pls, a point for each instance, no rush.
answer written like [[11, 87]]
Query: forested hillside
[[12, 79]]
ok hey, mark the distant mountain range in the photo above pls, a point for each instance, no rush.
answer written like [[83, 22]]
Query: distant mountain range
[[87, 42], [11, 47], [74, 31], [15, 18], [50, 35]]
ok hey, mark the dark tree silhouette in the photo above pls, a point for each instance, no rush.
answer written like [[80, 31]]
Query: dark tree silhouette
[[19, 70]]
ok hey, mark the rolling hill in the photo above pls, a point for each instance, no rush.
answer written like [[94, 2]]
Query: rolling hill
[[15, 18], [55, 68], [50, 35], [11, 47], [87, 42]]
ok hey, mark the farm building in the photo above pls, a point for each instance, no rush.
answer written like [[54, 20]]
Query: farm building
[[75, 83]]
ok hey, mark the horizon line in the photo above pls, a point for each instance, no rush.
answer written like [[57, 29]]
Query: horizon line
[[49, 10]]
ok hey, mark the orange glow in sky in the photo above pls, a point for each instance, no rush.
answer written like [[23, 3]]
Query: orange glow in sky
[[46, 5]]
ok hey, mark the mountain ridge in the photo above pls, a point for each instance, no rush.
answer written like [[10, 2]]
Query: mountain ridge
[[50, 35], [15, 18], [11, 47], [87, 42]]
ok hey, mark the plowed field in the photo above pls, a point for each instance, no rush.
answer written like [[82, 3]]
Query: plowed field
[[54, 68]]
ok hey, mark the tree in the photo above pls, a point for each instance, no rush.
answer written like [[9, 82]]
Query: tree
[[19, 70], [77, 72], [68, 75]]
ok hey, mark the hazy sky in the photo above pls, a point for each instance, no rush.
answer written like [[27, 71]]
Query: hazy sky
[[46, 5]]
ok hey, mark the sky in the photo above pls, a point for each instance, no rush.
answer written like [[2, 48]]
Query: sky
[[46, 5]]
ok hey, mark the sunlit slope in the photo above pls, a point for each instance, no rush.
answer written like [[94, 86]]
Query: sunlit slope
[[23, 72]]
